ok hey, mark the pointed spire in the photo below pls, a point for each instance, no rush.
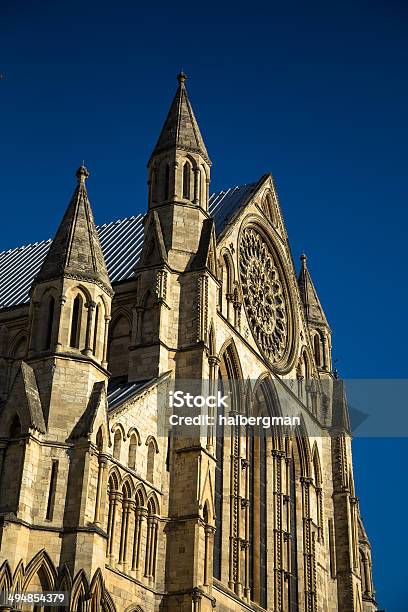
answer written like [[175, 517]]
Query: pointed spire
[[313, 308], [180, 130], [76, 250]]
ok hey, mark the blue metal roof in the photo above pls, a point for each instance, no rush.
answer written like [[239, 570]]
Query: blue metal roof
[[119, 390], [121, 243]]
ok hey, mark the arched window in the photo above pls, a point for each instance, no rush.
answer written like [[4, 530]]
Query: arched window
[[50, 322], [151, 451], [132, 452], [227, 381], [76, 322], [166, 182], [95, 334], [317, 349], [186, 181], [117, 440]]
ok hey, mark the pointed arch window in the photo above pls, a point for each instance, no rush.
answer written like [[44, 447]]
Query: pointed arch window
[[317, 349], [186, 181], [76, 322], [132, 452], [117, 439], [52, 490], [151, 451], [50, 322]]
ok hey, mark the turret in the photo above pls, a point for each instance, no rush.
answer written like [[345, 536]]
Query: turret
[[179, 167], [319, 329], [70, 308]]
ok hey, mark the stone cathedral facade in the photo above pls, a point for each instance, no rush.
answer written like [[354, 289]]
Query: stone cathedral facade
[[97, 497]]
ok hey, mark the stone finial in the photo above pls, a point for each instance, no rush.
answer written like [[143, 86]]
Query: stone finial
[[303, 259], [182, 77], [82, 174]]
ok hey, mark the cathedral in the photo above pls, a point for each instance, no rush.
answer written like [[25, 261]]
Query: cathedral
[[100, 497]]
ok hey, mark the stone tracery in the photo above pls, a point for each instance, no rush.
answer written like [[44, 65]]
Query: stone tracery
[[264, 297]]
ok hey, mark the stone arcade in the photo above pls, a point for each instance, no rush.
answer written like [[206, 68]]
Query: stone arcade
[[94, 327]]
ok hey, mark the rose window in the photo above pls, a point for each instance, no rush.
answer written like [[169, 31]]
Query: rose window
[[263, 295]]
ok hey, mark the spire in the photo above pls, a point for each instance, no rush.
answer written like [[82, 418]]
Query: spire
[[180, 130], [76, 250], [313, 308]]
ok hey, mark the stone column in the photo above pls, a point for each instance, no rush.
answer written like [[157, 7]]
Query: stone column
[[212, 362], [129, 506], [90, 317], [229, 297], [101, 471], [277, 461], [105, 342], [140, 515], [151, 547], [208, 553], [196, 172], [245, 544], [366, 570], [324, 343], [116, 497], [354, 534], [124, 531], [309, 559]]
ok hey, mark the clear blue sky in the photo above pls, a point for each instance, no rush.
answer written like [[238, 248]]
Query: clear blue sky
[[315, 92]]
